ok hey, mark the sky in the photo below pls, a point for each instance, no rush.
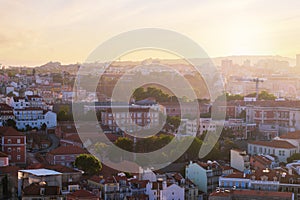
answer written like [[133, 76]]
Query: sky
[[36, 32]]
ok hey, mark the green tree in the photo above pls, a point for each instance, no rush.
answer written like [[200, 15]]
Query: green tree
[[295, 156], [43, 127], [124, 143], [101, 148], [88, 163], [11, 122], [174, 121], [264, 95]]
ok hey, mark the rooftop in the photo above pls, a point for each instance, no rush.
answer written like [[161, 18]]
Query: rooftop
[[275, 144], [41, 172], [82, 193], [291, 135], [64, 150], [9, 131], [34, 189], [251, 193]]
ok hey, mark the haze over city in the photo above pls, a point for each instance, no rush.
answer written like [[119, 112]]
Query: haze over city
[[34, 32], [149, 100]]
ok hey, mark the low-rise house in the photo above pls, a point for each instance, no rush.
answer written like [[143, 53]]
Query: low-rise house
[[64, 155], [264, 180], [279, 148], [263, 162], [70, 177], [29, 176]]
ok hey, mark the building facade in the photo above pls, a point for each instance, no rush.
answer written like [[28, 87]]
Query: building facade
[[13, 144], [204, 175]]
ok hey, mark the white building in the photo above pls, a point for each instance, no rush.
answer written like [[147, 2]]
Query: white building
[[32, 111], [281, 149], [240, 160], [164, 191], [204, 175], [291, 137], [35, 118], [199, 126]]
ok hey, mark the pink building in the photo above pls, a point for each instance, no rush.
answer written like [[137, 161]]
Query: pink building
[[64, 155]]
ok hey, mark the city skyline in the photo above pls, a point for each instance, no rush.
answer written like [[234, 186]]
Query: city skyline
[[34, 33]]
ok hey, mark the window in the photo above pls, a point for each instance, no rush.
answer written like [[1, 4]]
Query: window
[[18, 141], [9, 149], [8, 141], [18, 149], [18, 157]]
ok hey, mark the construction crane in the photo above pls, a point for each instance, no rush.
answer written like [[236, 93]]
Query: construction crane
[[256, 80]]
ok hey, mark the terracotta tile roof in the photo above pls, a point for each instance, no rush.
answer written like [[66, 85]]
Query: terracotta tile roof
[[73, 138], [30, 109], [207, 165], [291, 135], [96, 179], [261, 159], [9, 131], [2, 154], [34, 189], [58, 168], [12, 170], [66, 150], [253, 193], [236, 175], [4, 106], [82, 193], [62, 169], [275, 144], [293, 104]]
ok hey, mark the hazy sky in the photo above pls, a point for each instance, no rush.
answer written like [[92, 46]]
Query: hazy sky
[[35, 32]]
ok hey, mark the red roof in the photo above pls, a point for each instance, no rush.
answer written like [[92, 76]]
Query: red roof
[[29, 97], [261, 159], [275, 144], [2, 154], [9, 131], [291, 135], [250, 194], [59, 168], [73, 138], [64, 150], [34, 189], [82, 193], [4, 106]]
